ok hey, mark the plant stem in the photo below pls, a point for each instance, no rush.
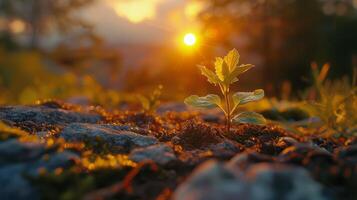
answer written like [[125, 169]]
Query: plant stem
[[228, 117]]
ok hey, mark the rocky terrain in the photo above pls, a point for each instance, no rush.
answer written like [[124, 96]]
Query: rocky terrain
[[59, 151]]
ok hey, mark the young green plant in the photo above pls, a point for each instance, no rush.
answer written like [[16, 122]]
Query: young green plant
[[227, 70], [151, 102], [335, 104]]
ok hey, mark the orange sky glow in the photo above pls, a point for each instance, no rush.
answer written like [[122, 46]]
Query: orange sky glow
[[125, 21]]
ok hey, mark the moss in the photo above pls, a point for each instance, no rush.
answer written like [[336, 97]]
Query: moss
[[7, 132], [71, 184]]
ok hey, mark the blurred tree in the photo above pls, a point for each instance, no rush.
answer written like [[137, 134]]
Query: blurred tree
[[76, 66], [38, 17], [286, 35], [90, 51]]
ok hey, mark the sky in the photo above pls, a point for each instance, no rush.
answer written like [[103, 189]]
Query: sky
[[142, 21]]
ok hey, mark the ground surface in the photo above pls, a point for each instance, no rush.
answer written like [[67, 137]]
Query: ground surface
[[59, 151]]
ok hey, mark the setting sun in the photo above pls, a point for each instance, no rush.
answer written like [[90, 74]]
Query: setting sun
[[189, 39]]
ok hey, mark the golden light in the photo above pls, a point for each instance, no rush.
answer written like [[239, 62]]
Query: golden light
[[192, 9], [17, 26], [136, 11], [189, 39]]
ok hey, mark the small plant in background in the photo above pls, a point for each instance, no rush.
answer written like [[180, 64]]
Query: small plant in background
[[150, 103], [227, 72], [334, 102]]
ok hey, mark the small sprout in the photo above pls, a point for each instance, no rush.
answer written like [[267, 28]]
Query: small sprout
[[227, 72], [149, 104], [334, 102]]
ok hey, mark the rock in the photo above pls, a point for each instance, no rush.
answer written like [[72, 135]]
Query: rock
[[285, 142], [13, 177], [272, 181], [322, 166], [195, 157], [324, 143], [116, 127], [263, 181], [347, 154], [14, 185], [319, 159], [225, 149], [267, 148], [212, 115], [52, 161], [243, 161], [43, 115], [210, 181], [295, 154], [117, 141], [249, 143], [175, 140], [161, 154], [15, 151]]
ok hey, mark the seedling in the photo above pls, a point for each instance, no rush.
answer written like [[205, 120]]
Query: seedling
[[227, 72], [151, 102], [335, 103]]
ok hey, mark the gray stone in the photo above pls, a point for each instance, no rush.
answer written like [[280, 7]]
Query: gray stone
[[272, 181], [52, 161], [226, 148], [13, 177], [296, 153], [13, 184], [243, 161], [348, 154], [45, 115], [15, 151], [195, 157], [264, 181], [161, 154], [118, 141], [210, 181], [212, 115]]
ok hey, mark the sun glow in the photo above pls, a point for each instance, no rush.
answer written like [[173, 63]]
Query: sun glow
[[136, 11], [189, 39]]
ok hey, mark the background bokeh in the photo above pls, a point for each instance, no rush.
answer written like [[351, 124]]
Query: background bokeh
[[105, 52]]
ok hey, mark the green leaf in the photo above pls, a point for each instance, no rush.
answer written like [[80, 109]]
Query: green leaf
[[211, 76], [241, 98], [242, 69], [222, 69], [249, 118], [232, 59], [209, 101], [232, 77]]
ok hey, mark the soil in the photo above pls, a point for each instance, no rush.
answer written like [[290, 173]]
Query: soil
[[330, 161]]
